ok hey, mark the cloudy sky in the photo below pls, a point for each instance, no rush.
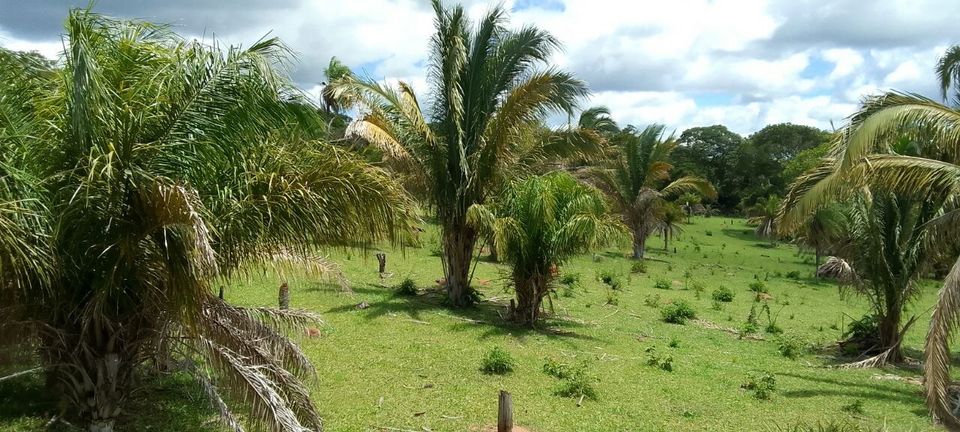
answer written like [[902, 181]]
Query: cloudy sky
[[741, 63]]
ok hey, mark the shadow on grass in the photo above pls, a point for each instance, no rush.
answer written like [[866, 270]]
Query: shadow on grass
[[744, 234], [905, 393], [487, 315], [163, 403]]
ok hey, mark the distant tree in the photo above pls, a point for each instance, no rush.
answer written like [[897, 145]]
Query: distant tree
[[538, 224], [805, 161], [713, 153], [784, 141], [637, 179], [822, 231], [764, 215], [669, 226]]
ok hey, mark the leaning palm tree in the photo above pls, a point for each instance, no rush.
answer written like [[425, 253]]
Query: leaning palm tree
[[821, 231], [636, 179], [763, 214], [489, 86], [537, 225], [164, 166], [866, 156]]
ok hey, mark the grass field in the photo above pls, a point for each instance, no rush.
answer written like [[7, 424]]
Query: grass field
[[408, 363]]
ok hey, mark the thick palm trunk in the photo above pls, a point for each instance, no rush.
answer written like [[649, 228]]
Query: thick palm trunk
[[530, 293], [457, 255], [889, 328], [639, 244]]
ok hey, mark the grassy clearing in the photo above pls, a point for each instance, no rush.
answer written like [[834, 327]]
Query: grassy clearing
[[407, 362]]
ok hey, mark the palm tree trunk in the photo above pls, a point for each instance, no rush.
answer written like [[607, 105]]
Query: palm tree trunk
[[639, 244], [889, 328], [458, 244], [816, 259], [530, 292]]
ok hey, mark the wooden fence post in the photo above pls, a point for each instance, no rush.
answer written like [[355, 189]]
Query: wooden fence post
[[505, 413], [382, 258]]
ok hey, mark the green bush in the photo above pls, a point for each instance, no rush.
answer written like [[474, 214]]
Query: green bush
[[789, 346], [575, 381], [407, 287], [722, 294], [795, 274], [709, 233], [678, 312], [758, 287], [497, 361], [652, 300], [761, 384], [674, 343], [638, 267], [656, 360], [697, 288], [570, 284], [662, 284], [829, 426], [610, 279]]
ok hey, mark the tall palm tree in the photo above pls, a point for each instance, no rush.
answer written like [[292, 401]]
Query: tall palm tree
[[537, 225], [164, 166], [489, 86], [336, 71], [636, 178], [764, 215], [867, 156]]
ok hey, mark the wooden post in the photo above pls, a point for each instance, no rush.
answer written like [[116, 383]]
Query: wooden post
[[382, 258], [505, 413], [284, 299]]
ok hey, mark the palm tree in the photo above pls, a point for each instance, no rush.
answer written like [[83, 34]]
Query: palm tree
[[336, 71], [490, 85], [821, 231], [538, 224], [163, 166], [669, 227], [636, 179], [763, 214], [866, 156]]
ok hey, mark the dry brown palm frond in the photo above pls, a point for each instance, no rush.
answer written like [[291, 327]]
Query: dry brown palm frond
[[937, 359], [837, 268]]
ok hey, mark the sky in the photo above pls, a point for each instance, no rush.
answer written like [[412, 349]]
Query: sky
[[684, 63]]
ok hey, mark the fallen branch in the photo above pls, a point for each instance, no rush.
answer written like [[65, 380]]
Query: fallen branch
[[14, 375]]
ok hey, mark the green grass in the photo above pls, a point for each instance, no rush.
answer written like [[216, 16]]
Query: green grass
[[420, 357]]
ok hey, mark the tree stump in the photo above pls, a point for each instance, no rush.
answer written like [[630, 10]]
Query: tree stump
[[505, 413], [284, 298], [382, 259]]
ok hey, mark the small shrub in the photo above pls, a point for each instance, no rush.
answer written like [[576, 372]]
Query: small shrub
[[575, 381], [497, 362], [556, 369], [610, 279], [674, 343], [752, 324], [678, 312], [773, 328], [722, 294], [789, 347], [717, 306], [570, 283], [795, 274], [855, 407], [613, 299], [652, 300], [662, 284], [698, 288], [638, 267], [709, 233], [758, 287], [761, 384], [407, 287], [661, 362], [829, 426]]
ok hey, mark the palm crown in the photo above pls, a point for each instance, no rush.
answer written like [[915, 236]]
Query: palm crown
[[162, 165]]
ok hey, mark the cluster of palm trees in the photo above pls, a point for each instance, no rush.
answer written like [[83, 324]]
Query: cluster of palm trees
[[885, 202], [140, 169]]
